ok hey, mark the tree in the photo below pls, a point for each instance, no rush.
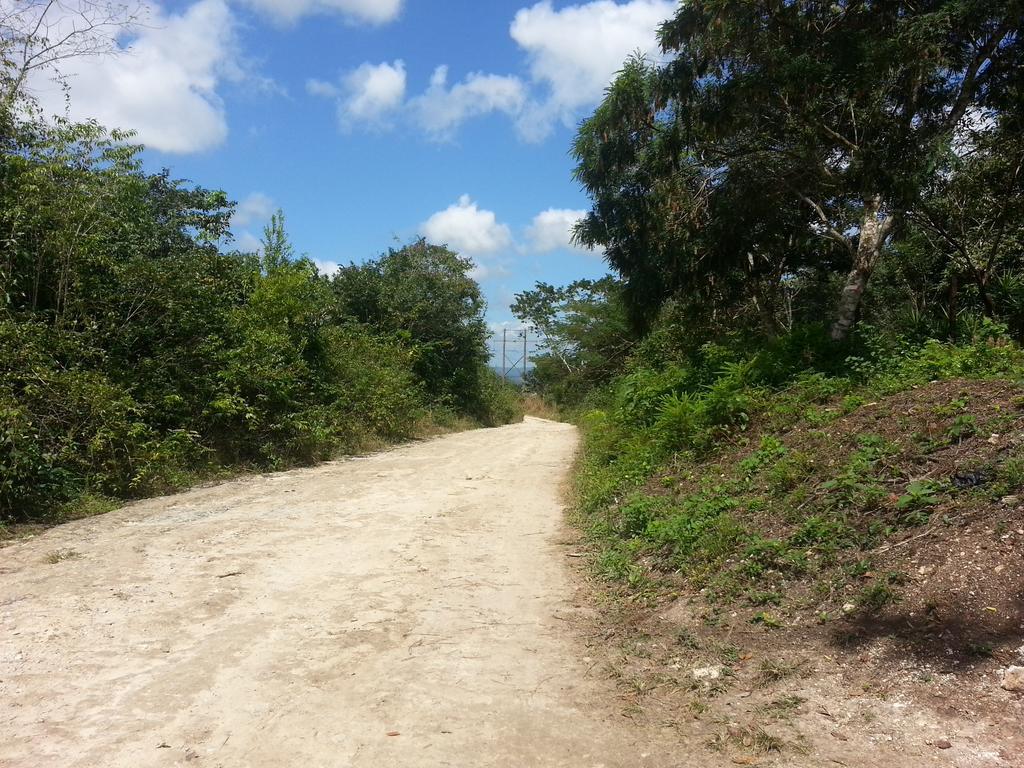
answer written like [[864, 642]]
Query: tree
[[63, 194], [586, 335], [836, 111], [423, 293], [41, 35], [721, 241], [973, 212], [277, 249], [648, 204], [136, 352]]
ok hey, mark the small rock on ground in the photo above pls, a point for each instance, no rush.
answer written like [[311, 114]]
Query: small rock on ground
[[1013, 679]]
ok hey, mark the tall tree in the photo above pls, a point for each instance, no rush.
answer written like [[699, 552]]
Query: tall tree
[[276, 248], [586, 337], [424, 295], [973, 212], [842, 106]]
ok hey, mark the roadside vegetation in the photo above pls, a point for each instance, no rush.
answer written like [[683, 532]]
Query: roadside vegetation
[[140, 352], [774, 495], [801, 388]]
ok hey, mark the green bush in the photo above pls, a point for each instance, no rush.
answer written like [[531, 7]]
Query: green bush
[[135, 354], [641, 395], [666, 427], [497, 402]]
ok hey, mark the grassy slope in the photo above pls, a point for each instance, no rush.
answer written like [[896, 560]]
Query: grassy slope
[[878, 523]]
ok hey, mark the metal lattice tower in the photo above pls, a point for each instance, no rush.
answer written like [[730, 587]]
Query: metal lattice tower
[[511, 351]]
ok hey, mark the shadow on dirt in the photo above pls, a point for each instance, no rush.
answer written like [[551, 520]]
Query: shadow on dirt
[[946, 636]]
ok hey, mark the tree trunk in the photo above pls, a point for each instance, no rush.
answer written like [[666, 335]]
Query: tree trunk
[[952, 306], [765, 302], [981, 278], [872, 237]]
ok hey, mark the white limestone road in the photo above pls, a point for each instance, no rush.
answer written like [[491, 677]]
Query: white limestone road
[[411, 608]]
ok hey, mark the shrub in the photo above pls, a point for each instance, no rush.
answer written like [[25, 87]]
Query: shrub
[[497, 402], [136, 354], [641, 394]]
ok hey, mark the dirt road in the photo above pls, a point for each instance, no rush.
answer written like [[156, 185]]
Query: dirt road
[[412, 608]]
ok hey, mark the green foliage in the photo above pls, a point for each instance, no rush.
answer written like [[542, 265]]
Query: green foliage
[[496, 401], [783, 155], [963, 426], [766, 619], [877, 596], [1010, 476], [423, 296], [856, 485], [635, 515], [137, 354], [770, 452], [699, 532], [919, 494], [788, 472], [276, 250], [585, 335], [643, 394], [801, 220], [678, 419], [666, 476]]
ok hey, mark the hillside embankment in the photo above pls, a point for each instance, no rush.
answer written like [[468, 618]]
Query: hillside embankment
[[839, 582]]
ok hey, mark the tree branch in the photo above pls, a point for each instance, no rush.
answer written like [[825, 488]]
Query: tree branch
[[830, 230], [967, 87]]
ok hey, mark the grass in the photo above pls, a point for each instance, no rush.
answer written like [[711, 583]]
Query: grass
[[429, 424], [687, 639], [777, 514], [770, 672], [753, 738], [540, 407], [88, 505], [766, 619], [774, 498], [783, 707], [876, 596]]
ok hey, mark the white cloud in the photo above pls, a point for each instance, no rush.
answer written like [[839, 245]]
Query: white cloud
[[367, 95], [163, 81], [365, 11], [256, 209], [322, 88], [552, 229], [326, 268], [442, 109], [478, 234], [467, 228], [247, 242], [480, 272], [251, 213], [573, 53]]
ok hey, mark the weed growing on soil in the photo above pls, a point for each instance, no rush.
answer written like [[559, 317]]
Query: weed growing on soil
[[784, 707], [773, 671], [753, 738], [774, 491]]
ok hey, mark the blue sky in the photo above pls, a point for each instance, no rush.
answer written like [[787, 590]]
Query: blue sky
[[370, 122]]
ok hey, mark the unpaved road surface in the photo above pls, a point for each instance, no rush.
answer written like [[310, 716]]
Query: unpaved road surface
[[412, 608]]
